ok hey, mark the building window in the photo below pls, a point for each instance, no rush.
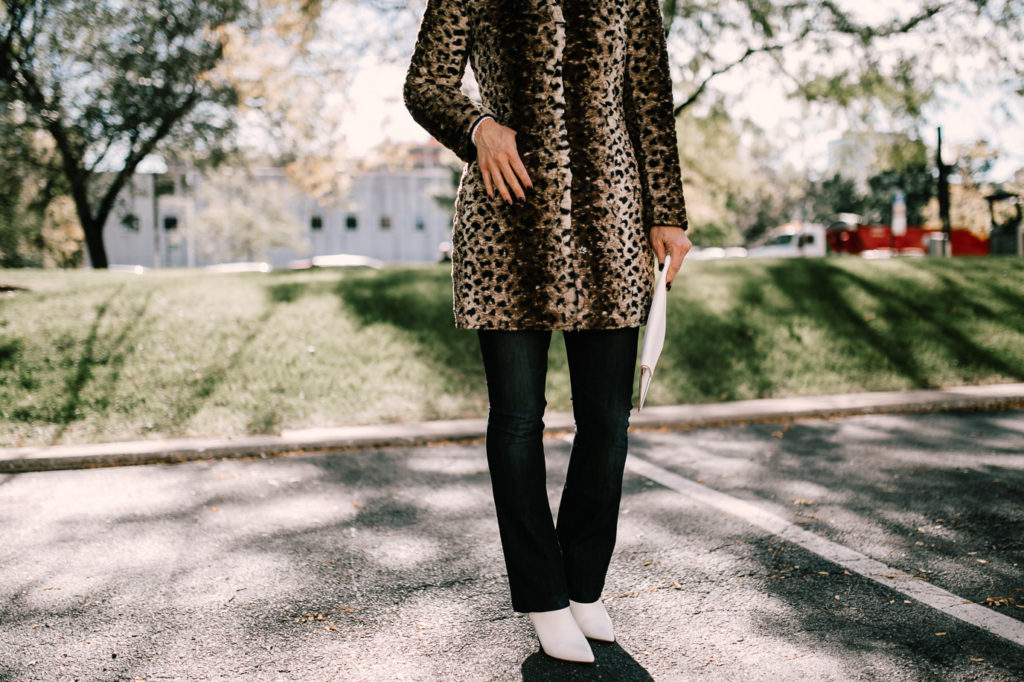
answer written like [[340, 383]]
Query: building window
[[385, 222], [419, 224], [316, 223], [130, 222], [170, 223], [351, 222]]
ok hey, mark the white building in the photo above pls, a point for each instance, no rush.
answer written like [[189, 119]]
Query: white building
[[389, 213], [853, 157]]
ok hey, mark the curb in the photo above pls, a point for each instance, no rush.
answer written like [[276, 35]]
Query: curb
[[61, 457]]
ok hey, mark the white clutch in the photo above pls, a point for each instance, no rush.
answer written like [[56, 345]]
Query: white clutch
[[654, 335]]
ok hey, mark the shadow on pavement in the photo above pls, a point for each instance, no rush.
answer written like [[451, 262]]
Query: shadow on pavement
[[386, 564], [611, 662], [935, 496]]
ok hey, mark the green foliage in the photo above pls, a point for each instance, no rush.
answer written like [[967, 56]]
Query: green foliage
[[902, 164], [14, 227], [880, 70], [35, 227], [734, 188], [832, 196], [915, 180]]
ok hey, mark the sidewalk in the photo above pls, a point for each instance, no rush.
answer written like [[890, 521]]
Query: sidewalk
[[19, 460]]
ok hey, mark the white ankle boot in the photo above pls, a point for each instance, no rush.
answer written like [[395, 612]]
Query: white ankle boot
[[593, 620], [560, 636]]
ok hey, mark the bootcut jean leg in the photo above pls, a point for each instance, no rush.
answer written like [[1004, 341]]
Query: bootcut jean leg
[[602, 364], [515, 363]]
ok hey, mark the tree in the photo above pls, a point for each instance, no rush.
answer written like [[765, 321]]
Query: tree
[[826, 53], [293, 76], [15, 226], [904, 165], [901, 164], [835, 195], [113, 82], [36, 225], [968, 189]]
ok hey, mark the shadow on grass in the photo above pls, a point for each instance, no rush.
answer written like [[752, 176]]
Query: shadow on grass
[[715, 355], [419, 303], [110, 351], [912, 314], [192, 398], [889, 325], [921, 324], [819, 290]]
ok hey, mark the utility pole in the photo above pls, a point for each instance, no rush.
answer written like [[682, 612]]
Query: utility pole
[[947, 229]]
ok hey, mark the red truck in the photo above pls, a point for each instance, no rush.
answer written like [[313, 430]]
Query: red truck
[[878, 241]]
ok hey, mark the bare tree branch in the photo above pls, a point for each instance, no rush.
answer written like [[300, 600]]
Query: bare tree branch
[[703, 85]]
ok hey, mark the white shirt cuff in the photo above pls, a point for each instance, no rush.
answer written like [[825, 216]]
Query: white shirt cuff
[[472, 133]]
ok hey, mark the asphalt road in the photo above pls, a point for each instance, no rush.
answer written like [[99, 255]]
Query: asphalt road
[[863, 548]]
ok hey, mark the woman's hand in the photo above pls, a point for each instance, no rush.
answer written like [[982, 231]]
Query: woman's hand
[[673, 240], [499, 161]]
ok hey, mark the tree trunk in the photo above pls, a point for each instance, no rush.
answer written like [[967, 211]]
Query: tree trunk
[[94, 242]]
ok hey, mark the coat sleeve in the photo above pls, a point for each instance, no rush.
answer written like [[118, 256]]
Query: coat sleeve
[[647, 100], [433, 85]]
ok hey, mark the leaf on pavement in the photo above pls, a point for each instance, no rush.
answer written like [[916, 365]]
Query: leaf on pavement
[[998, 601]]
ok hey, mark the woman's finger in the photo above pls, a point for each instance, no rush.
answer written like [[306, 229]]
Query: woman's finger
[[486, 173], [679, 244], [509, 176], [659, 250], [676, 249], [520, 170], [499, 181]]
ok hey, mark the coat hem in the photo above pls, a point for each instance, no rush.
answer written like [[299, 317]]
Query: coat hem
[[499, 326]]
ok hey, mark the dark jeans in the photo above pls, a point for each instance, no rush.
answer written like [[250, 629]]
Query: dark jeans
[[548, 564]]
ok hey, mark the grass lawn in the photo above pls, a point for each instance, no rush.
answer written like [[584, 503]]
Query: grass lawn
[[98, 356]]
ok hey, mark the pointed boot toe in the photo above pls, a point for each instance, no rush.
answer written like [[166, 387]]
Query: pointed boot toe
[[560, 636], [593, 620]]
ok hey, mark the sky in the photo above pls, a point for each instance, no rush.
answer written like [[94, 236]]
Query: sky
[[964, 116]]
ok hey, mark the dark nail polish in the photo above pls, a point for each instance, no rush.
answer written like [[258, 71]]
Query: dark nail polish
[[661, 266], [668, 287]]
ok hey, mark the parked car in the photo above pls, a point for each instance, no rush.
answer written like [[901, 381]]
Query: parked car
[[346, 260], [792, 240]]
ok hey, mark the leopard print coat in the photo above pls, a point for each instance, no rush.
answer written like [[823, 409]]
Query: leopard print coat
[[585, 84]]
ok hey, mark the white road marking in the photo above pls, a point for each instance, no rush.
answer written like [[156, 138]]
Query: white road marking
[[902, 582]]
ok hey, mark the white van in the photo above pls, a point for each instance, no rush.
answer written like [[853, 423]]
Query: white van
[[792, 240]]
